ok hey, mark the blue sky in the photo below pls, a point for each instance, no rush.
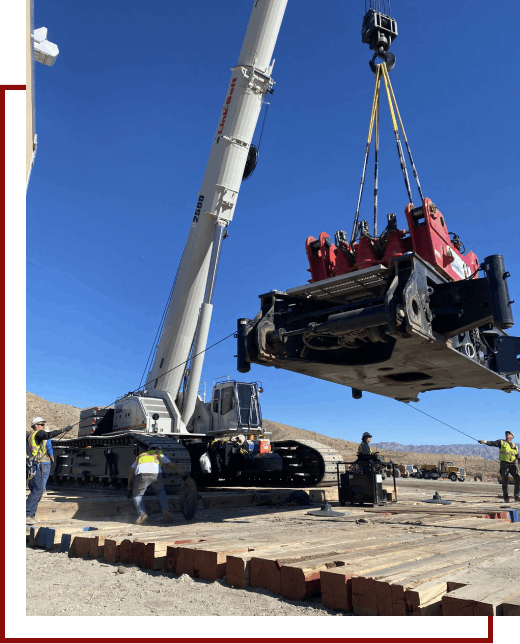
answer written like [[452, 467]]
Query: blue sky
[[125, 121]]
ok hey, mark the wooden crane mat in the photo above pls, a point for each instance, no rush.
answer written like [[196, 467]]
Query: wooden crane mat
[[411, 560]]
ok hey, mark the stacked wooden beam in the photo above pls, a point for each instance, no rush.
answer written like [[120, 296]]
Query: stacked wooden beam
[[367, 570]]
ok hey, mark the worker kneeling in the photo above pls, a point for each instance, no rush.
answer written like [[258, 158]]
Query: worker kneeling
[[146, 470]]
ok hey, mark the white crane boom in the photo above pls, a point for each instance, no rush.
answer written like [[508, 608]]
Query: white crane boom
[[193, 290]]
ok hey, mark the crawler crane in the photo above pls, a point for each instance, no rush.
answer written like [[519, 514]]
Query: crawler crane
[[220, 441]]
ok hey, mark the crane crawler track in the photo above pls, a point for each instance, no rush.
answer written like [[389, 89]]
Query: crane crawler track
[[308, 463], [103, 461], [91, 462]]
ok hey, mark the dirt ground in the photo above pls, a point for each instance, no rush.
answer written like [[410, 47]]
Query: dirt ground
[[113, 589]]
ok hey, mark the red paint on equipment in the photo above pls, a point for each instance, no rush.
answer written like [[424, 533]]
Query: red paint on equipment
[[432, 242], [429, 239]]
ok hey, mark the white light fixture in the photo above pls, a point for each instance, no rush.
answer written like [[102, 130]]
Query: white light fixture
[[44, 51]]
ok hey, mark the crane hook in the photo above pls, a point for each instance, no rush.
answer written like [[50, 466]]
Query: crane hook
[[386, 56]]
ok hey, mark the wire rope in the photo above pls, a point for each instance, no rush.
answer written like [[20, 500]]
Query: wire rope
[[450, 426], [130, 393]]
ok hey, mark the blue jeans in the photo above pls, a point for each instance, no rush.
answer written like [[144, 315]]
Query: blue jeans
[[141, 483], [37, 488]]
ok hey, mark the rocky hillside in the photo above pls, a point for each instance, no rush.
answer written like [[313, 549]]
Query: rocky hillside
[[461, 449], [56, 415], [59, 416]]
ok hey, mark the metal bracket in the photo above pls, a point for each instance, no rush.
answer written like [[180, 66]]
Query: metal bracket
[[507, 356]]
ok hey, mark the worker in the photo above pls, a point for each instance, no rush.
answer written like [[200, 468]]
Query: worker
[[364, 452], [508, 455], [146, 470], [364, 446], [37, 450]]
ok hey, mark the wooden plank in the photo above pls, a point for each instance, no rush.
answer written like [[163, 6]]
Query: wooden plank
[[146, 544], [238, 565], [480, 599], [112, 545], [210, 562], [390, 585], [265, 571], [154, 550], [337, 584], [423, 593], [302, 580], [209, 558]]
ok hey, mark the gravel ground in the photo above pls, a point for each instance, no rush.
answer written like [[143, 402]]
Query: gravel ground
[[112, 589]]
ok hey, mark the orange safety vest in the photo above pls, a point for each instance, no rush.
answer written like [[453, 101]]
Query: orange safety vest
[[507, 452], [38, 451]]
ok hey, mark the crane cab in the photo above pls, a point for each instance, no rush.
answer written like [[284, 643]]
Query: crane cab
[[235, 406]]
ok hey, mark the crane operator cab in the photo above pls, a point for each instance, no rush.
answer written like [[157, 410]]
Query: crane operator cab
[[235, 406], [234, 409], [237, 448]]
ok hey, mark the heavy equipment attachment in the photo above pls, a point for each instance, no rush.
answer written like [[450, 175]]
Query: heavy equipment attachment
[[395, 314]]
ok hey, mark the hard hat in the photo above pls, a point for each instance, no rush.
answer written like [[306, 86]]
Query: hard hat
[[366, 435], [239, 438], [36, 420], [508, 433]]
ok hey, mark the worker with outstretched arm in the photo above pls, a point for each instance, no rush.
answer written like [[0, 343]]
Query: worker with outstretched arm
[[508, 456], [37, 451], [146, 470]]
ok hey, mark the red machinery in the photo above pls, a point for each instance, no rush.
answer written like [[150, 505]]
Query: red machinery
[[428, 237]]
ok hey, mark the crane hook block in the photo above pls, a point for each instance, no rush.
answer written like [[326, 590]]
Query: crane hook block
[[379, 31]]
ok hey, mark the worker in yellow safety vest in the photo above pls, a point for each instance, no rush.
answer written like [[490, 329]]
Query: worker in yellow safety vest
[[147, 470], [36, 451], [508, 456]]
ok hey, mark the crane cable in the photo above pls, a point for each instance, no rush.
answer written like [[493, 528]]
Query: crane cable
[[131, 393], [414, 169], [375, 101], [451, 427], [382, 72]]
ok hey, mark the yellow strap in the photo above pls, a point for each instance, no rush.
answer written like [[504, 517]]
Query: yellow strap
[[389, 86], [390, 105], [375, 102]]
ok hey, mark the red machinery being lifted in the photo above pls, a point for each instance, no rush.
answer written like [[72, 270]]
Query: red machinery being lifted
[[398, 313], [428, 236]]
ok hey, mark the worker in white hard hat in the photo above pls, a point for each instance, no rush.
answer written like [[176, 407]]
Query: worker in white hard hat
[[508, 456], [37, 453]]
